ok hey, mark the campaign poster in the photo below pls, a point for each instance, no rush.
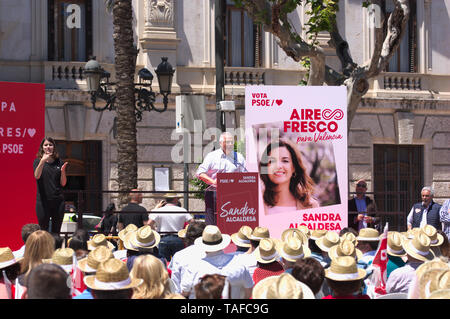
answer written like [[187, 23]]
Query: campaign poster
[[22, 127], [296, 139], [237, 201]]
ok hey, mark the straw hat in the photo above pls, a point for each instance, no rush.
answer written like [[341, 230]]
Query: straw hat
[[112, 274], [294, 232], [419, 247], [99, 240], [436, 239], [284, 286], [241, 238], [126, 230], [293, 249], [436, 263], [411, 233], [143, 238], [394, 244], [172, 195], [316, 234], [7, 257], [368, 234], [90, 263], [440, 294], [62, 257], [305, 230], [432, 280], [182, 232], [260, 233], [344, 269], [350, 237], [329, 240], [266, 251], [212, 239], [345, 248]]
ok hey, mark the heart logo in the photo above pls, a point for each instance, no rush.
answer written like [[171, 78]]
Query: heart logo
[[31, 132], [279, 102]]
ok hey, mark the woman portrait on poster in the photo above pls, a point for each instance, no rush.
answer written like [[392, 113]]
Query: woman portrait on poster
[[287, 185], [50, 175]]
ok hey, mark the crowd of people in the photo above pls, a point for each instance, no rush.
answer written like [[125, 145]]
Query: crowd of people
[[250, 264]]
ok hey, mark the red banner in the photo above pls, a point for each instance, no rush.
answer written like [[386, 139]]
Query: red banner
[[237, 201], [22, 127]]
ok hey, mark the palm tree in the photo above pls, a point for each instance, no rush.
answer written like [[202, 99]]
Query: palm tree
[[125, 64]]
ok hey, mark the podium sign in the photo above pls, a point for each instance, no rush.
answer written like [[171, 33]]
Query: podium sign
[[237, 201]]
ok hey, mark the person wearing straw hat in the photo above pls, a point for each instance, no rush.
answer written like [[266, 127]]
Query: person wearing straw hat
[[143, 241], [63, 257], [213, 242], [424, 273], [267, 257], [9, 270], [436, 239], [168, 220], [89, 265], [283, 286], [99, 240], [425, 212], [325, 243], [242, 240], [133, 213], [395, 252], [368, 240], [345, 279], [418, 251], [316, 252], [291, 250], [248, 259], [48, 281], [112, 281], [187, 256]]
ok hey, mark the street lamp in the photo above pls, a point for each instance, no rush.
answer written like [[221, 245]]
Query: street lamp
[[98, 85]]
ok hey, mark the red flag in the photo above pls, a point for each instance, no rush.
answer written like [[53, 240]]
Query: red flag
[[380, 261]]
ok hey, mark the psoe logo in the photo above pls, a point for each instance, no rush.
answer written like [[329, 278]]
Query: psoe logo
[[261, 99], [74, 18]]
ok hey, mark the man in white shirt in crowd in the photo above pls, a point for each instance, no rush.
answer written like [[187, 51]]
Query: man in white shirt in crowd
[[167, 218], [213, 242], [223, 160]]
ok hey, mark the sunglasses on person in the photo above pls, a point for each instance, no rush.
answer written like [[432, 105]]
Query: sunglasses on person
[[361, 185]]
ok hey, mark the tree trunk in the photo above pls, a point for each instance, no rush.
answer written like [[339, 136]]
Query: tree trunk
[[125, 64]]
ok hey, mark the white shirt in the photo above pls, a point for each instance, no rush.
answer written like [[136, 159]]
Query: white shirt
[[170, 222], [218, 162], [423, 222], [181, 261], [218, 263], [249, 261]]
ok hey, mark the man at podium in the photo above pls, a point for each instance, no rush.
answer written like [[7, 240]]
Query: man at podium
[[223, 160]]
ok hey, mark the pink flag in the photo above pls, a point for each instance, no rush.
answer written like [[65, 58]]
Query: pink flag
[[380, 261]]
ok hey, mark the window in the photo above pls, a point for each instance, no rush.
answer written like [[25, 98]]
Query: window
[[405, 59], [398, 180], [68, 41], [242, 38]]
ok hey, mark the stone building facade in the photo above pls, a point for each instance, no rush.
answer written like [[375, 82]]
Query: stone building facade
[[406, 112]]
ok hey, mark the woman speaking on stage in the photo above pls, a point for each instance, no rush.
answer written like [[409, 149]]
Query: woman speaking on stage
[[287, 185], [50, 174]]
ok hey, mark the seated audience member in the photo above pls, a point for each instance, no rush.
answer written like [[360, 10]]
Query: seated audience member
[[283, 286], [291, 250], [316, 252], [368, 240], [156, 282], [242, 240], [48, 281], [436, 239], [79, 245], [325, 243], [89, 266], [9, 270], [211, 287], [395, 252], [345, 279], [267, 257], [182, 259], [112, 281], [27, 229], [310, 272]]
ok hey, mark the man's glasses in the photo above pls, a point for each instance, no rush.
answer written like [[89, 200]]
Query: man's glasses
[[361, 185]]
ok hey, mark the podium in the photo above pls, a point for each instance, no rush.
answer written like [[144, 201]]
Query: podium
[[237, 201]]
